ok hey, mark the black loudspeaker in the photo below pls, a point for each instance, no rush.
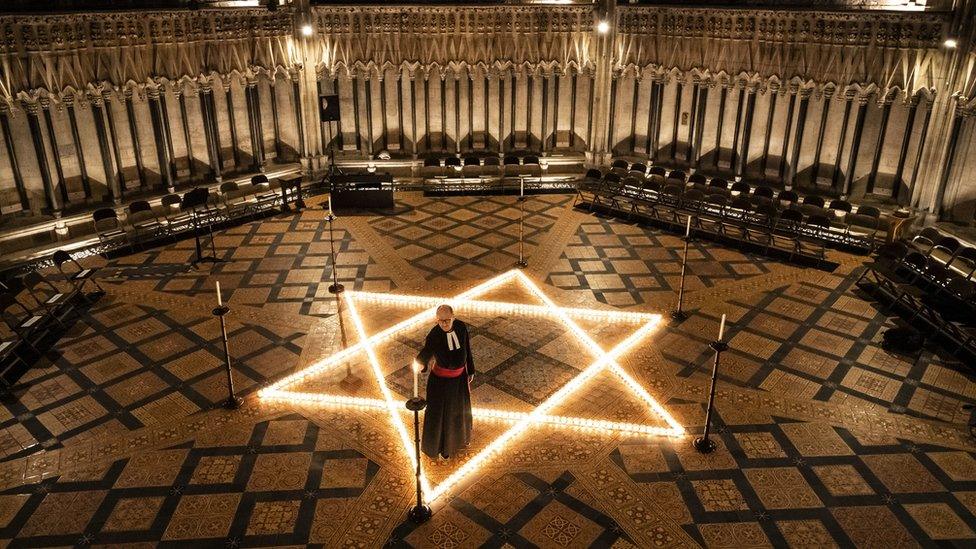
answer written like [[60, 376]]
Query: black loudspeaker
[[328, 108]]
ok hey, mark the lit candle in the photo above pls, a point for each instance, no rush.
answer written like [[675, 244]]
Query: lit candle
[[721, 328], [521, 187], [416, 372], [220, 302], [330, 204], [688, 228]]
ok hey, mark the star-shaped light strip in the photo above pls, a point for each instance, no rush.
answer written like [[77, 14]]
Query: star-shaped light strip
[[520, 420]]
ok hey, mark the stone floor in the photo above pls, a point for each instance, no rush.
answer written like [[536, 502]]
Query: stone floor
[[824, 439]]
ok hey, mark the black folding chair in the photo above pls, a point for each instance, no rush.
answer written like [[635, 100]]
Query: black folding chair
[[47, 296], [74, 273]]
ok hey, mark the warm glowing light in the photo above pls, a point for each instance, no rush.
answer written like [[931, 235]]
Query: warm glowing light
[[603, 27], [950, 43], [520, 420], [307, 30]]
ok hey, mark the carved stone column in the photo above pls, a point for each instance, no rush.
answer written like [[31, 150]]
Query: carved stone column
[[134, 135], [457, 113], [611, 117], [849, 96], [69, 103], [384, 127], [272, 83], [401, 140], [879, 144], [544, 137], [61, 184], [654, 133], [638, 77], [426, 110], [443, 75], [412, 75], [12, 155], [737, 132], [862, 109], [722, 98], [369, 112], [501, 112], [31, 107], [699, 122], [556, 78], [162, 149], [354, 79], [113, 178]]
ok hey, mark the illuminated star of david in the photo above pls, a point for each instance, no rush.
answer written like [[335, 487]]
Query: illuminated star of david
[[520, 420]]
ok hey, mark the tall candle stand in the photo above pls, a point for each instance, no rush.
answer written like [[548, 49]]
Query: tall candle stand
[[679, 314], [420, 512], [335, 288], [521, 263], [233, 401], [704, 444]]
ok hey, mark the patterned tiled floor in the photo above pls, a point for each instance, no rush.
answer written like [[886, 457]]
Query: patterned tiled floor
[[824, 439]]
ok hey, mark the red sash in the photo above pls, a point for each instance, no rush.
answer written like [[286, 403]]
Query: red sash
[[447, 372]]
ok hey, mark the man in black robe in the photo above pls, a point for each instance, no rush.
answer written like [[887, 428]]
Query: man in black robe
[[447, 355]]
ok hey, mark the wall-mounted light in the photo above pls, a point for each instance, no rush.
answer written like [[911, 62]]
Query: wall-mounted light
[[307, 30], [371, 168], [950, 43], [603, 26]]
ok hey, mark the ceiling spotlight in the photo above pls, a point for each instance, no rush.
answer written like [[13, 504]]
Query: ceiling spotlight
[[603, 27], [950, 43], [307, 30]]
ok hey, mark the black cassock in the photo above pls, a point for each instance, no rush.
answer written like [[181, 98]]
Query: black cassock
[[447, 420]]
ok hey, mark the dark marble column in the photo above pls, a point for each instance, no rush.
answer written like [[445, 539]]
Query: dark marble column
[[274, 116], [168, 132], [355, 110], [657, 97], [60, 185], [958, 118], [773, 95], [457, 113], [700, 123], [747, 129], [134, 135], [633, 115], [679, 88], [37, 138], [299, 118], [589, 111], [180, 95], [921, 146], [501, 112], [848, 101], [213, 148], [574, 76], [792, 90], [384, 129], [801, 121], [12, 155], [612, 122], [513, 88], [69, 103], [862, 109], [252, 103], [722, 98], [231, 121], [528, 108], [544, 137], [414, 142], [159, 134], [113, 180], [555, 108], [897, 191], [335, 89], [737, 132], [828, 94], [426, 111], [400, 130], [443, 75], [879, 145]]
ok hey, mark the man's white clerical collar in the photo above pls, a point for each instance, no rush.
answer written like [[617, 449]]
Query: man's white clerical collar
[[453, 343]]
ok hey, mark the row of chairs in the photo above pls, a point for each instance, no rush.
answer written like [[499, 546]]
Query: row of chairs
[[810, 204], [925, 290], [739, 220], [142, 222], [40, 306], [946, 249], [475, 167]]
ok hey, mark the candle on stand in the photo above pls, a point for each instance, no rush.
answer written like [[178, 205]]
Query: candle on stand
[[415, 367], [521, 186], [688, 228], [721, 328], [330, 204], [220, 302]]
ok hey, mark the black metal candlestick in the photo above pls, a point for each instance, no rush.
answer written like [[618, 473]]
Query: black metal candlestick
[[521, 264], [233, 401], [704, 444], [419, 513], [335, 288], [679, 314]]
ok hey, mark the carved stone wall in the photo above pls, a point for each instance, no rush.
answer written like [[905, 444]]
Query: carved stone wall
[[852, 102]]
